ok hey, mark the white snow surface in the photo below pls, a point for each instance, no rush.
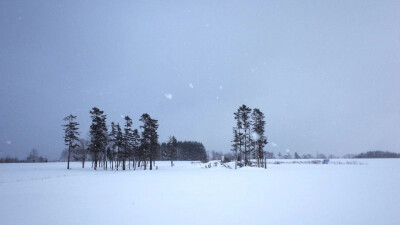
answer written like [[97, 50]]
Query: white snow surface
[[47, 193]]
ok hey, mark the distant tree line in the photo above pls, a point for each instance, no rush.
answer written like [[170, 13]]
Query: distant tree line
[[288, 155], [228, 156], [215, 155], [377, 154], [33, 157], [123, 146]]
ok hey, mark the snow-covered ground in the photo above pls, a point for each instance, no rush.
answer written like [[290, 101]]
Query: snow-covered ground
[[188, 194]]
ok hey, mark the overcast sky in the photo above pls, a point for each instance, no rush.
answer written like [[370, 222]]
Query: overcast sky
[[325, 73]]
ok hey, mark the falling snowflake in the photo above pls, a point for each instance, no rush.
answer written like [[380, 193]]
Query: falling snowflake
[[191, 85], [8, 142], [255, 136], [168, 96]]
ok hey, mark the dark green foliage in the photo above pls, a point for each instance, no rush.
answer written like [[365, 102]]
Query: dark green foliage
[[11, 160], [172, 146], [189, 150], [127, 141], [71, 135], [248, 136], [186, 151], [378, 154], [244, 116], [98, 136], [149, 140], [259, 140]]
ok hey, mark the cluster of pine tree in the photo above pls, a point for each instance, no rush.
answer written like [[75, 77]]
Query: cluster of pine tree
[[183, 150], [249, 139], [116, 148]]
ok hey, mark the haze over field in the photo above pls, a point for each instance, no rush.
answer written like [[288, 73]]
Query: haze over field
[[326, 74]]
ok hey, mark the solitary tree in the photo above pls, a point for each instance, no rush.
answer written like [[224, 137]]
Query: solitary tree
[[33, 156], [171, 148], [71, 134], [81, 150]]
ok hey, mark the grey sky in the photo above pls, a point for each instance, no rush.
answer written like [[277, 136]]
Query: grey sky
[[326, 74]]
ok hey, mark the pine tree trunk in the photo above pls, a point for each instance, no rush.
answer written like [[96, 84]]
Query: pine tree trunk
[[236, 158], [265, 163], [151, 163], [69, 155]]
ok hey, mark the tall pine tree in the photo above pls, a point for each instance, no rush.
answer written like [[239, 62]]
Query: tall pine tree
[[259, 139], [98, 135], [71, 134], [172, 149], [242, 137], [149, 139], [127, 140]]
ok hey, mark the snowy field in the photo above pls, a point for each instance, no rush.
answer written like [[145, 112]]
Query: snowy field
[[48, 194]]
